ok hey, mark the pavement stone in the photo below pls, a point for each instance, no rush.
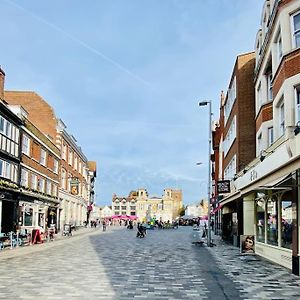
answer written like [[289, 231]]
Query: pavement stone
[[117, 265]]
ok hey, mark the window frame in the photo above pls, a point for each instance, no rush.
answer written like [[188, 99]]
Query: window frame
[[295, 32]]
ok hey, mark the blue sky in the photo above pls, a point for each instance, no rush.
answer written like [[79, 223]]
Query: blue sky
[[126, 77]]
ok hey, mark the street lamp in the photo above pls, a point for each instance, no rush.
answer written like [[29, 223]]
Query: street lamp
[[204, 103]]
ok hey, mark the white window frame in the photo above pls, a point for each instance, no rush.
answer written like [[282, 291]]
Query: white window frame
[[48, 187], [230, 169], [269, 77], [43, 157], [259, 97], [230, 136], [259, 143], [231, 96], [34, 181], [26, 144], [41, 185], [279, 52], [55, 166], [294, 31], [281, 118], [270, 136], [24, 177]]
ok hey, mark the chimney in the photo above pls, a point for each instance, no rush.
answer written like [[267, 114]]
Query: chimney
[[2, 78]]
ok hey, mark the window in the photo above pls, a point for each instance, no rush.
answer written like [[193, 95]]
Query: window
[[230, 170], [230, 136], [80, 167], [24, 178], [231, 96], [281, 119], [296, 29], [259, 144], [260, 220], [55, 190], [259, 97], [286, 224], [1, 167], [279, 48], [63, 178], [2, 124], [123, 207], [41, 185], [55, 166], [272, 222], [269, 86], [297, 110], [43, 157], [8, 130], [7, 173], [270, 136], [28, 216], [48, 187], [70, 157], [64, 152], [75, 162], [25, 144], [33, 181]]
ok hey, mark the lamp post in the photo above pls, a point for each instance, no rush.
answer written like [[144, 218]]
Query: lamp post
[[204, 103]]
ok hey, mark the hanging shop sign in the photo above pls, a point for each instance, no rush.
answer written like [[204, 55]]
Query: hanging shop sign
[[223, 186], [74, 183]]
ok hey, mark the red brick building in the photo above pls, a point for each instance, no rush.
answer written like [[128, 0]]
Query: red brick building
[[75, 178]]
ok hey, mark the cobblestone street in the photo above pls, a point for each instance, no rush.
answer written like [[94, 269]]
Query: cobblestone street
[[117, 265]]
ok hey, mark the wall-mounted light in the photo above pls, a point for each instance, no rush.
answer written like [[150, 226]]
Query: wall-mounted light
[[264, 154]]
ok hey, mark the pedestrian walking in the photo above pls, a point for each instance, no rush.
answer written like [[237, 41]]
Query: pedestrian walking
[[104, 225]]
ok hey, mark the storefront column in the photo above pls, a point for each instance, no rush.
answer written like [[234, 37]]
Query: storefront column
[[249, 215]]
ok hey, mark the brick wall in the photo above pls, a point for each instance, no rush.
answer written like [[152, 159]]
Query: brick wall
[[246, 110], [289, 67], [265, 114]]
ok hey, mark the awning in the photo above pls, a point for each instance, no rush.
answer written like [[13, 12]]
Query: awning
[[216, 209], [282, 183]]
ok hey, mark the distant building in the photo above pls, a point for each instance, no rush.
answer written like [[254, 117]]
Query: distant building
[[106, 212], [197, 209], [138, 203]]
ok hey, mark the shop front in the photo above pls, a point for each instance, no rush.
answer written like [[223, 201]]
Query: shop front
[[276, 222], [232, 221], [8, 210]]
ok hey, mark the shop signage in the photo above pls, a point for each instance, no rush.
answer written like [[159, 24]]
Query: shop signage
[[223, 186], [74, 183]]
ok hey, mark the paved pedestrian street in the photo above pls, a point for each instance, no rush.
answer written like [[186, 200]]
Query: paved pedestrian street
[[117, 265]]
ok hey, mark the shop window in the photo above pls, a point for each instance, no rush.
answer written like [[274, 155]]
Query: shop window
[[286, 224], [260, 221], [28, 216], [272, 222]]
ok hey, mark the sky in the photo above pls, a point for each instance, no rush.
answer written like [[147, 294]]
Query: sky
[[126, 77]]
